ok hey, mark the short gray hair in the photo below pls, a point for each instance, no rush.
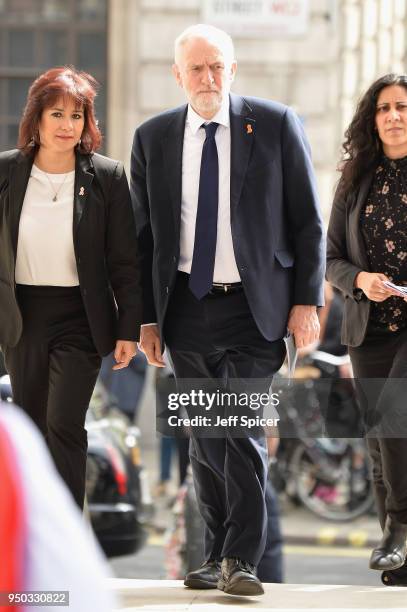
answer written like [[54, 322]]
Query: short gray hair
[[219, 38]]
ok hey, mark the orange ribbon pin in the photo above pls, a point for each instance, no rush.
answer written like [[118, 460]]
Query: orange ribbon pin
[[249, 128]]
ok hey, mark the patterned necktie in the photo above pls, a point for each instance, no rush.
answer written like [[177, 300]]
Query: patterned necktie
[[203, 260]]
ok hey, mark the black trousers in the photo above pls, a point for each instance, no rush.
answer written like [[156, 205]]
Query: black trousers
[[380, 367], [217, 338], [53, 371]]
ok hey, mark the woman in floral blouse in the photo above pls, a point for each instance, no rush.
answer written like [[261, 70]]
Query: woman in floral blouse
[[367, 247]]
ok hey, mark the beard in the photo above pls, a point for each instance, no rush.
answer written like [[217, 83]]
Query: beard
[[207, 101]]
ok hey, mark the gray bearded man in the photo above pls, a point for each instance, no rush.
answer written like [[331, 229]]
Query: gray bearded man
[[232, 250]]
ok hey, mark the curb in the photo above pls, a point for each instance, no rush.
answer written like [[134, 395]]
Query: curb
[[327, 536], [330, 536]]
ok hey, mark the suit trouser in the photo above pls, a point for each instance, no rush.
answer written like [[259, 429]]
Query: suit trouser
[[53, 371], [217, 338], [270, 568], [380, 367]]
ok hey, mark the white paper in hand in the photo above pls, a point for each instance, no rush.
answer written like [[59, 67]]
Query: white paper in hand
[[399, 288], [292, 353]]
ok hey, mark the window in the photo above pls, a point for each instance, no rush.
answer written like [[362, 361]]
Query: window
[[34, 11], [38, 34], [16, 95], [55, 49], [20, 48]]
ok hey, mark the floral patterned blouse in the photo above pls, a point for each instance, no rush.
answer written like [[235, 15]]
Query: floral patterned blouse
[[384, 228]]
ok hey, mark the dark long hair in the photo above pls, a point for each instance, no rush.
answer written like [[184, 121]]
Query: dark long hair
[[362, 146], [65, 82]]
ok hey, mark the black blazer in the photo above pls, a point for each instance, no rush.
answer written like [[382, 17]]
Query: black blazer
[[346, 257], [277, 230], [104, 236]]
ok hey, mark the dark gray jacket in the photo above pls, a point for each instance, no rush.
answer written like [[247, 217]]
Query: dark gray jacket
[[346, 257]]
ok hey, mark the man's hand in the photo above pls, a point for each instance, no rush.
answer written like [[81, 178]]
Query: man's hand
[[372, 286], [150, 345], [123, 353], [303, 324]]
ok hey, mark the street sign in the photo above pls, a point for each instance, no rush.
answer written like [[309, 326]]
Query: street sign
[[257, 18]]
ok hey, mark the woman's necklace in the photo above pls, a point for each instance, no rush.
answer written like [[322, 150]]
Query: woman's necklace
[[56, 192]]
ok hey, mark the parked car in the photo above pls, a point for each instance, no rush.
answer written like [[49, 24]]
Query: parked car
[[117, 488], [2, 366], [118, 499]]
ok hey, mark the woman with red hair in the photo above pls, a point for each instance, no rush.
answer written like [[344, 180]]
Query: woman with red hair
[[69, 272]]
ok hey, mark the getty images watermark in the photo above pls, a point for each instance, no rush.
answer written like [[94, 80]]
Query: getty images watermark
[[222, 399], [204, 410], [304, 407]]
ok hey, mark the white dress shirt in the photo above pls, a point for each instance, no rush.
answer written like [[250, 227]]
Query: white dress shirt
[[225, 263], [45, 251]]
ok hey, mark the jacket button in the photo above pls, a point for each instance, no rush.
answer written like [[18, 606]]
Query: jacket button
[[167, 289], [84, 292], [174, 258]]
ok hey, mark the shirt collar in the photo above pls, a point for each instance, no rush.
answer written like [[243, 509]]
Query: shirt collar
[[222, 116]]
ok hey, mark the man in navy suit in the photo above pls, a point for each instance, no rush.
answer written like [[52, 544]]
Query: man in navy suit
[[232, 248]]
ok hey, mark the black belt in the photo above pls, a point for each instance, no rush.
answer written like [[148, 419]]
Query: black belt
[[225, 288], [217, 288]]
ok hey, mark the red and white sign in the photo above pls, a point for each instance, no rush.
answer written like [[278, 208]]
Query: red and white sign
[[253, 18]]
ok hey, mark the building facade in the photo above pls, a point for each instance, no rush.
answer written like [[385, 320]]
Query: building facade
[[320, 73], [128, 46]]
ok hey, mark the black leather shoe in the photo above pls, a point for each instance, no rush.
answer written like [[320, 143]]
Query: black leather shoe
[[392, 550], [396, 577], [391, 579], [239, 578], [206, 577]]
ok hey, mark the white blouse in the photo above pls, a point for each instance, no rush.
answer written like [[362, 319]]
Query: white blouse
[[45, 251]]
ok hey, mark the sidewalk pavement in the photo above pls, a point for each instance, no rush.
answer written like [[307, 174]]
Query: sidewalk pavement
[[170, 595]]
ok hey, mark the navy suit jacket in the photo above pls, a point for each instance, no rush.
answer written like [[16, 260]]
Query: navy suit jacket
[[277, 230]]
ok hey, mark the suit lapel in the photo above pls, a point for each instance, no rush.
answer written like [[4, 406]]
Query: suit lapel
[[84, 173], [19, 176], [242, 134], [172, 147], [354, 221]]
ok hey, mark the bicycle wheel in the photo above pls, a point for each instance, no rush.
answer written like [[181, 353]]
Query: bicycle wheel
[[343, 496]]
